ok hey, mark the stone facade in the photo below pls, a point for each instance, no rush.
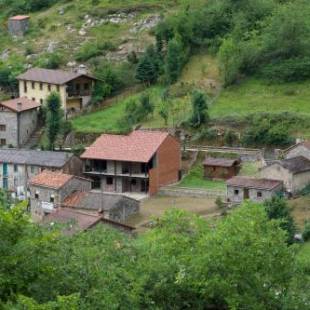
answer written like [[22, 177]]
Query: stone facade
[[18, 26], [298, 150], [44, 200], [239, 194], [16, 128], [293, 182]]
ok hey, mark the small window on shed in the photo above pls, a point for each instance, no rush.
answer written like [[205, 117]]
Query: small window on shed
[[36, 195], [259, 194], [15, 168], [236, 192], [52, 199], [109, 181], [2, 127]]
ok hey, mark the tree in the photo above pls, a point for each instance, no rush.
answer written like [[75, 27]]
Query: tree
[[199, 109], [278, 209], [174, 60], [54, 118], [147, 71], [164, 111]]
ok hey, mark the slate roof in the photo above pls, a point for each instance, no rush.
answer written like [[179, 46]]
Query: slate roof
[[296, 164], [220, 162], [20, 104], [138, 146], [50, 179], [47, 159], [56, 77], [19, 17], [247, 182]]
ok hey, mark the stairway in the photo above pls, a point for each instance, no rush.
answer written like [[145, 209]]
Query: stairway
[[34, 139]]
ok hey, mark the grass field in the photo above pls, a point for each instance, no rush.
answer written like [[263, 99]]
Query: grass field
[[253, 96]]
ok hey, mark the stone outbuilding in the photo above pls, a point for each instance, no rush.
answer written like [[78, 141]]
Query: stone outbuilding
[[257, 190], [18, 120], [18, 25], [294, 172], [299, 149], [48, 190], [220, 168]]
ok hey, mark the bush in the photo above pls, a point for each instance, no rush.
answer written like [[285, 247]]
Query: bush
[[306, 232], [93, 49]]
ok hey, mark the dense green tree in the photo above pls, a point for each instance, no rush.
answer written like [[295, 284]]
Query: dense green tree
[[174, 60], [277, 208], [54, 118], [199, 109]]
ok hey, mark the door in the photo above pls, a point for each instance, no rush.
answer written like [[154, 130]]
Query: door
[[246, 194]]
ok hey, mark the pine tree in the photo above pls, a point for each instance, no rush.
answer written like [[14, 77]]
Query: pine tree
[[146, 70], [173, 61], [199, 108]]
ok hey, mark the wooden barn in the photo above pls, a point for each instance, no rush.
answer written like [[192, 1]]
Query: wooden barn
[[221, 168]]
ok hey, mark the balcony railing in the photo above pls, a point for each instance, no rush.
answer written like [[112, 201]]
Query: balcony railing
[[80, 93], [134, 174]]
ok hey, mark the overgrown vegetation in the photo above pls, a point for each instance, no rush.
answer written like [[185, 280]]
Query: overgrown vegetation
[[41, 269]]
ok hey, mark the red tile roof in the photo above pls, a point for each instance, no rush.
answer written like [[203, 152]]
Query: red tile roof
[[20, 104], [51, 179], [247, 182], [73, 200], [139, 146], [19, 17], [56, 77]]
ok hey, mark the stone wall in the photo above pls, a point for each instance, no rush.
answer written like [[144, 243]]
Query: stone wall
[[191, 192], [9, 119], [28, 121], [299, 150]]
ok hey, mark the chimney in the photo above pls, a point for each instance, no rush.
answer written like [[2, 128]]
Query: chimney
[[82, 69], [19, 105]]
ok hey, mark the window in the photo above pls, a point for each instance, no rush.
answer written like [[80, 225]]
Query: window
[[2, 127], [259, 194], [77, 87], [41, 101], [15, 168], [36, 195], [236, 192], [58, 88], [2, 142], [86, 86], [96, 183], [109, 181], [49, 87], [33, 99], [32, 169], [52, 199], [25, 86], [41, 86], [134, 182], [33, 85]]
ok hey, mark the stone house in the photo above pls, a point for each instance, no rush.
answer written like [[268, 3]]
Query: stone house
[[220, 168], [17, 166], [294, 172], [299, 149], [257, 190], [140, 162], [18, 120], [18, 25], [74, 88], [49, 189]]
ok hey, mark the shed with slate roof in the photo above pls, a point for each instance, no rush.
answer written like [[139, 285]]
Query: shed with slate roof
[[294, 172]]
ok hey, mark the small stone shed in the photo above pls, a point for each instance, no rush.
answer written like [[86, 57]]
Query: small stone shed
[[294, 172], [257, 190], [221, 168], [18, 25]]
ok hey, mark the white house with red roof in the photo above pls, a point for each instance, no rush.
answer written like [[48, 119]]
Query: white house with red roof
[[18, 120], [140, 162]]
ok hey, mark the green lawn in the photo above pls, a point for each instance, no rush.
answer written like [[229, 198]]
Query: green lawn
[[257, 96], [195, 179]]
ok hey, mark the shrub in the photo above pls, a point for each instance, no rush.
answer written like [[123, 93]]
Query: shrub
[[93, 49], [306, 232]]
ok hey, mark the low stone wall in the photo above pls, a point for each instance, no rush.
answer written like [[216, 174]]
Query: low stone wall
[[192, 192]]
